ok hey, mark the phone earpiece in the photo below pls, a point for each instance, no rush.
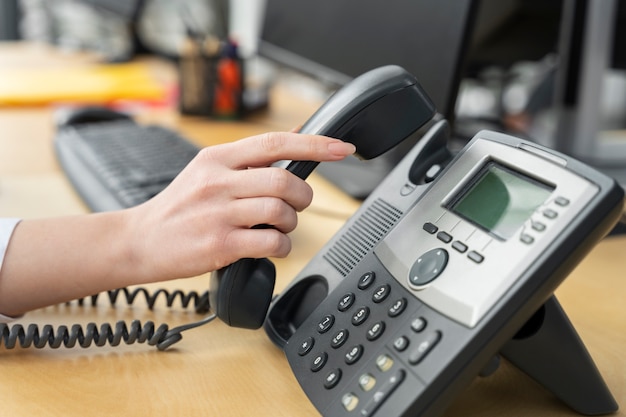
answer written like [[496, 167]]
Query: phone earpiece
[[240, 294]]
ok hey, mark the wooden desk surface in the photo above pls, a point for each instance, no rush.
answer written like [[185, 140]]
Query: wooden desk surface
[[217, 370]]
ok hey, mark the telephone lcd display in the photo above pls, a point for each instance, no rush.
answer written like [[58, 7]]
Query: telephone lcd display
[[500, 200]]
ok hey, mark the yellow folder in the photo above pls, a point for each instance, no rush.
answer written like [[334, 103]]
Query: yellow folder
[[98, 83]]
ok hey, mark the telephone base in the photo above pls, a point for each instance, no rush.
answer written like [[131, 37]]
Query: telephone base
[[550, 351]]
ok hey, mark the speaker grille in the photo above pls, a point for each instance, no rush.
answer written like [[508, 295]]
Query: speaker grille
[[369, 229]]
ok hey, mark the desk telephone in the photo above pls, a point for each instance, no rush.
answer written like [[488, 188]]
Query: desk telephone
[[451, 262]]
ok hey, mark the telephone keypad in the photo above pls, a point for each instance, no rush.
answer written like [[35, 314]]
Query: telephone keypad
[[366, 280], [332, 378], [397, 308], [326, 323], [381, 293], [360, 316], [376, 331], [356, 339], [319, 361], [346, 302], [339, 339], [306, 346], [354, 354]]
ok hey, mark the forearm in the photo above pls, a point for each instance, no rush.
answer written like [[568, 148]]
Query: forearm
[[53, 260]]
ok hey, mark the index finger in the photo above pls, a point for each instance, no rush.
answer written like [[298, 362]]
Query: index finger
[[267, 148]]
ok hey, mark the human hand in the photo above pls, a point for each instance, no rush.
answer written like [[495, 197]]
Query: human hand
[[203, 221]]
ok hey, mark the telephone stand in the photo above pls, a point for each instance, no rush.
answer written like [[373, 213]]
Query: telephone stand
[[550, 351]]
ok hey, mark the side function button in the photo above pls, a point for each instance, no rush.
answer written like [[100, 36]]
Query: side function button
[[444, 237], [430, 228], [526, 238], [306, 346], [550, 214], [346, 302], [366, 280], [459, 246], [367, 382], [384, 362], [475, 256], [350, 401], [424, 347], [381, 395], [561, 201], [428, 267], [538, 226]]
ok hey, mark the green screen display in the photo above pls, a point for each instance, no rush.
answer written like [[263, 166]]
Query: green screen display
[[500, 200]]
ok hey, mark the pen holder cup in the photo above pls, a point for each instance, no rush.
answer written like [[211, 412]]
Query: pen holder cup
[[211, 84]]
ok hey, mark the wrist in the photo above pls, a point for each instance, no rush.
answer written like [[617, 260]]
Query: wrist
[[131, 255]]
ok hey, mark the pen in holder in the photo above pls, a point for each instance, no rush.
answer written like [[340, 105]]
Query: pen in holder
[[211, 78]]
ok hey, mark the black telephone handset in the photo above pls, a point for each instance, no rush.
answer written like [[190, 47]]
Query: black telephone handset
[[375, 112]]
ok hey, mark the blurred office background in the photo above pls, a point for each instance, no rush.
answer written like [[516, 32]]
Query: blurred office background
[[550, 70], [118, 29]]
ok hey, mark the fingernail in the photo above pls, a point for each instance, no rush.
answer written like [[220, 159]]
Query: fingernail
[[341, 148]]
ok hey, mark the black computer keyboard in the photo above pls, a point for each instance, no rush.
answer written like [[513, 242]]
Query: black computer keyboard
[[119, 163]]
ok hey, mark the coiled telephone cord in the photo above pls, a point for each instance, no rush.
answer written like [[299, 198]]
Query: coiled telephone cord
[[200, 301], [162, 336]]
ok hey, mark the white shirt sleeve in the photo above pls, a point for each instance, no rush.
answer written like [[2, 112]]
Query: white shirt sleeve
[[7, 225]]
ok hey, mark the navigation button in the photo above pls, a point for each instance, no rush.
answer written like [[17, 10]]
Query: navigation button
[[428, 267]]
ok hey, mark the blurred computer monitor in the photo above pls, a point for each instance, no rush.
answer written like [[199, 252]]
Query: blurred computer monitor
[[335, 41], [9, 17], [590, 84], [127, 9]]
